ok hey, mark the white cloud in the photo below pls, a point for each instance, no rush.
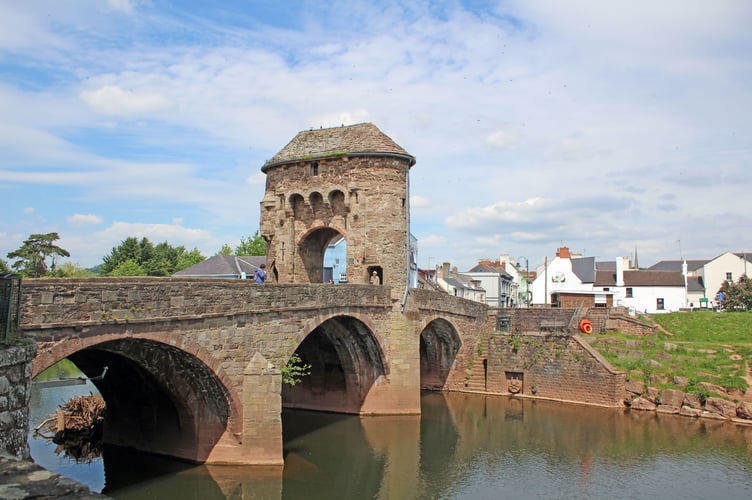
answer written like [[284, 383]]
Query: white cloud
[[28, 210], [113, 100], [419, 201], [85, 219], [502, 139], [121, 5]]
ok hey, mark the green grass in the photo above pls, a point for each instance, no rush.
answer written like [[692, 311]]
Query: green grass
[[703, 346]]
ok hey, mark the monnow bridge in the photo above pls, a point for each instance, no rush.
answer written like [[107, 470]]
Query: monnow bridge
[[194, 365]]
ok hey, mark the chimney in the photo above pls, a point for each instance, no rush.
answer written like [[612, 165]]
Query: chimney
[[563, 253], [445, 269], [619, 271]]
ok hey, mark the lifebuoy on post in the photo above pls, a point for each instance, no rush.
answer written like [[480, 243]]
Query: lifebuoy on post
[[586, 326]]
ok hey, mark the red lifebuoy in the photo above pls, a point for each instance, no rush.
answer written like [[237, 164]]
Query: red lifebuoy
[[586, 326]]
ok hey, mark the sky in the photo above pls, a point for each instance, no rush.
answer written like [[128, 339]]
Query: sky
[[606, 127]]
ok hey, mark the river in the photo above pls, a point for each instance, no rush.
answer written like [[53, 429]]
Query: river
[[463, 446]]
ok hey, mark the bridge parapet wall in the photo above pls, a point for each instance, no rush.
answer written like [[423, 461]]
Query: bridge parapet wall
[[50, 303]]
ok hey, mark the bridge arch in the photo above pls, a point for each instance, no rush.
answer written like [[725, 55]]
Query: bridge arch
[[439, 344], [160, 398], [346, 362]]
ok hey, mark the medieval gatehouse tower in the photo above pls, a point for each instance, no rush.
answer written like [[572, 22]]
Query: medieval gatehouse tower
[[346, 182]]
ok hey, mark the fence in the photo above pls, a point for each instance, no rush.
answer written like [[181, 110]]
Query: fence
[[10, 306]]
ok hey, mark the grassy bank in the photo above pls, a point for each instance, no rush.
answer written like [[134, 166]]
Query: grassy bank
[[704, 352]]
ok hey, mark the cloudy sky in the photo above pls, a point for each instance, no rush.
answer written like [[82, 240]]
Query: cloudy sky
[[602, 126]]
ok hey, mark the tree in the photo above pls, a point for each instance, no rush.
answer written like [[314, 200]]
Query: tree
[[253, 245], [737, 296], [150, 260], [4, 267], [70, 270], [225, 250], [128, 268], [33, 254]]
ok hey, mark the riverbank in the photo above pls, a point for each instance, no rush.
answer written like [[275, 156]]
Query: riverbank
[[21, 479]]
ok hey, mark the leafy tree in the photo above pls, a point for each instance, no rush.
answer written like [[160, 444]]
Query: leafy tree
[[253, 245], [294, 370], [188, 259], [70, 270], [151, 260], [4, 267], [31, 258], [225, 250], [128, 268], [737, 296]]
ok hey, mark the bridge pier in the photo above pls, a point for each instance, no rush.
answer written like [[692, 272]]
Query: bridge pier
[[261, 442]]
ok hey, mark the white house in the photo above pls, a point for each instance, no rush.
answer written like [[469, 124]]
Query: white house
[[563, 274], [643, 290], [708, 275]]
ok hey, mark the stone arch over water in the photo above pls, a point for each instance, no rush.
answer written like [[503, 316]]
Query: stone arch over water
[[346, 362], [439, 345], [159, 398]]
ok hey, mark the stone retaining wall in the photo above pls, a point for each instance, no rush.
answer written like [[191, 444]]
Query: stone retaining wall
[[15, 393]]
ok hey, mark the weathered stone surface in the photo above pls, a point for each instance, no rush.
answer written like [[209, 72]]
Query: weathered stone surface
[[720, 406], [15, 386], [744, 410], [692, 401], [680, 381], [712, 387], [643, 404], [688, 411], [635, 386], [667, 409], [23, 479], [653, 395], [672, 397]]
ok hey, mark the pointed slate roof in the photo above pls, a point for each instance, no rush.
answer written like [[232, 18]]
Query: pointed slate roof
[[360, 139], [223, 266]]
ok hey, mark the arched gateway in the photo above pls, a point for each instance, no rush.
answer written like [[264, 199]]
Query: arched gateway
[[350, 181]]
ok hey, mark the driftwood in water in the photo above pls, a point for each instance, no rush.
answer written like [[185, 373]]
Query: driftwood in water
[[76, 427]]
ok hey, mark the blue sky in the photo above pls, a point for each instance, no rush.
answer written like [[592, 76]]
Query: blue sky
[[602, 126]]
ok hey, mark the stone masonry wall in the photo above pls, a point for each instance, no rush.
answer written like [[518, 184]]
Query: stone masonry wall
[[15, 392], [560, 367], [363, 198]]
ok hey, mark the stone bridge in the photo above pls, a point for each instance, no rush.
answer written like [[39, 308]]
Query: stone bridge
[[194, 364]]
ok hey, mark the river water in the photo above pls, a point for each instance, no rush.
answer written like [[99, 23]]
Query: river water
[[463, 446]]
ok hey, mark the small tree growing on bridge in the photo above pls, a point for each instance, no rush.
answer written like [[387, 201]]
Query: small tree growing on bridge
[[294, 370]]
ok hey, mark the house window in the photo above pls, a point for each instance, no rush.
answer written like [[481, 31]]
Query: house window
[[629, 293], [314, 168], [606, 289], [729, 277], [659, 304]]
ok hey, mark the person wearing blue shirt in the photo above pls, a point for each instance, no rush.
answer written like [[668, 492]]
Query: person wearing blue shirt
[[260, 275]]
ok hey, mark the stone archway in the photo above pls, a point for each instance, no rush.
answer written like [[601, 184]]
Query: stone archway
[[439, 345], [346, 362], [159, 398], [311, 250]]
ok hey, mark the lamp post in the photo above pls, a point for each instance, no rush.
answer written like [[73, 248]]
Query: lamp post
[[527, 279]]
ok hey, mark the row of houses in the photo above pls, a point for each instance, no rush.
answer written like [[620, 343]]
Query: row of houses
[[572, 280]]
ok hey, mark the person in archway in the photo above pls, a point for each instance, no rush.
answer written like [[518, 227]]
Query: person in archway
[[260, 274], [375, 280]]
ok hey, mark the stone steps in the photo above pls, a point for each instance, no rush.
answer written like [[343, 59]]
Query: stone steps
[[476, 376]]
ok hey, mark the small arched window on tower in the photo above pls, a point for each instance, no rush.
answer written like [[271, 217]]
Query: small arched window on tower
[[314, 168]]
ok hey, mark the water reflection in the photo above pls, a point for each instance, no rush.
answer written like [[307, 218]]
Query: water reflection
[[468, 446]]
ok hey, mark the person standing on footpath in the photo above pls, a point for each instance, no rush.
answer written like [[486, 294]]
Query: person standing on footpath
[[375, 280], [260, 275]]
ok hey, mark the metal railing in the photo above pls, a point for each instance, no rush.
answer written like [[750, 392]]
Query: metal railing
[[10, 306]]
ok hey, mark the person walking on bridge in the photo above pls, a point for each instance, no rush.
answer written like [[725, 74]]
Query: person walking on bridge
[[260, 275]]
